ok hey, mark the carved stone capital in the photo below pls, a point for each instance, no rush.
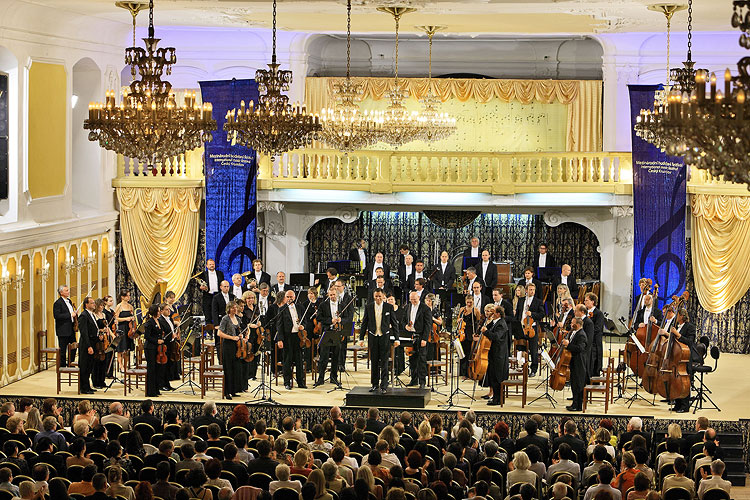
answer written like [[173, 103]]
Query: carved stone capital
[[347, 214], [303, 243], [621, 211], [554, 218], [624, 238], [270, 206]]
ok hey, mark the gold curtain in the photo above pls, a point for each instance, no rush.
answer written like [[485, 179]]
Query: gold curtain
[[720, 239], [583, 98], [160, 235]]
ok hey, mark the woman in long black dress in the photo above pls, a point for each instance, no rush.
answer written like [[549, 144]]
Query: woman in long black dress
[[100, 365], [153, 338], [398, 317], [229, 330], [251, 316], [241, 363], [469, 319], [124, 313]]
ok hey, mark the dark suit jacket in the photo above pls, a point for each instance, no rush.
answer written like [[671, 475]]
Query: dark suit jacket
[[368, 320], [575, 443], [236, 468], [354, 256], [655, 312], [628, 436], [598, 319], [588, 328], [688, 334], [150, 419], [485, 300], [63, 321], [155, 459], [536, 308], [57, 461], [550, 261], [152, 333], [536, 282], [490, 278], [284, 323], [275, 288], [412, 279], [422, 323], [508, 308], [219, 307], [263, 464], [96, 446], [536, 439], [387, 289], [219, 277], [444, 280], [497, 370], [572, 285], [402, 277], [264, 277], [467, 253], [208, 420], [88, 332], [342, 426], [374, 425], [371, 266]]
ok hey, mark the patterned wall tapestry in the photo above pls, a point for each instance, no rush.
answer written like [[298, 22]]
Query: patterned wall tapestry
[[509, 236], [729, 330]]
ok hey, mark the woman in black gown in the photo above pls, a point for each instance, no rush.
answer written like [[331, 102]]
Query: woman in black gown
[[153, 338], [251, 317], [109, 313], [229, 330], [469, 319], [124, 313], [100, 365]]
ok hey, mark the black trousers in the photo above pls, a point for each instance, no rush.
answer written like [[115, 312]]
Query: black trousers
[[418, 364], [597, 354], [154, 374], [380, 353], [345, 332], [329, 348], [400, 361], [207, 300], [85, 365], [534, 351], [293, 358], [98, 372], [64, 342]]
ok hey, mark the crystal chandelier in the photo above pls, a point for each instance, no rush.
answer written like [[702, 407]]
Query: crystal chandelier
[[148, 125], [400, 125], [273, 126], [441, 125], [345, 126], [684, 77], [708, 128]]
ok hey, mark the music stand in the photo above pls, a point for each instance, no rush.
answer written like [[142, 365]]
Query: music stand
[[470, 262], [547, 273], [300, 279]]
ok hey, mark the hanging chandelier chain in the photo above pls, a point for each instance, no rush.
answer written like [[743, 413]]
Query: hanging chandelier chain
[[348, 37], [150, 19], [429, 67], [397, 20], [669, 30], [273, 43], [690, 31]]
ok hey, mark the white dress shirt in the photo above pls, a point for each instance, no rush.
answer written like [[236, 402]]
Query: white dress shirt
[[475, 251], [226, 297], [213, 282], [413, 314], [646, 314], [362, 258], [542, 260], [237, 291], [375, 266], [263, 304], [334, 308], [478, 300], [408, 270], [563, 280], [295, 318], [258, 275], [418, 275], [70, 307], [485, 265]]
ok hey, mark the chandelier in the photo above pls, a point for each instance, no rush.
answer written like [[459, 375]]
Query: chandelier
[[400, 125], [147, 124], [345, 126], [708, 129], [273, 126], [441, 125]]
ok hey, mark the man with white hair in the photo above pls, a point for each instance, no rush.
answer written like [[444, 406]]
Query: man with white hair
[[635, 426], [714, 480], [470, 417], [65, 314], [117, 416], [236, 288], [282, 473]]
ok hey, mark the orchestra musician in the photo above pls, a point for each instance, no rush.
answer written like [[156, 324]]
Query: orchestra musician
[[576, 344], [64, 314], [379, 273], [236, 286], [473, 253], [347, 318], [480, 299], [220, 301], [124, 314], [109, 314], [597, 349], [358, 255], [175, 370], [499, 299], [648, 313], [433, 353], [403, 251], [280, 286], [419, 289], [169, 335], [259, 274], [153, 339], [405, 272], [378, 324], [561, 293], [471, 278], [88, 334], [565, 316], [487, 272], [229, 331], [534, 308], [331, 315], [309, 323], [379, 284], [566, 278], [418, 273], [543, 259], [444, 274], [497, 332], [287, 333], [211, 277], [587, 324], [377, 264], [528, 279], [99, 369], [685, 332], [398, 320], [252, 321], [418, 325], [644, 287], [469, 318], [330, 280]]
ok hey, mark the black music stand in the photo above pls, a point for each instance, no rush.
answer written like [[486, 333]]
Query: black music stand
[[470, 262], [546, 274], [455, 374]]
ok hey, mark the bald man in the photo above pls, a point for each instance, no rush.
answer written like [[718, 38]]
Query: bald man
[[220, 301], [566, 277]]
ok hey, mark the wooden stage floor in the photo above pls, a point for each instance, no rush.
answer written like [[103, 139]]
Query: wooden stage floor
[[730, 386]]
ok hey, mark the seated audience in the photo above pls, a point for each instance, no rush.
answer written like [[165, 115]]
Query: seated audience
[[282, 480], [715, 480]]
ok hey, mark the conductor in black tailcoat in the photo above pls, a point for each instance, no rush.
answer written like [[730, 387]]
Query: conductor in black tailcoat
[[497, 367], [88, 333], [287, 338], [332, 314], [212, 278], [418, 318], [597, 349], [576, 344], [377, 323], [588, 328]]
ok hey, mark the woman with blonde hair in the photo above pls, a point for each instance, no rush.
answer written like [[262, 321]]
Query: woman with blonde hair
[[301, 462], [318, 478], [366, 474], [424, 431], [86, 412], [33, 420], [603, 437], [562, 292], [519, 470]]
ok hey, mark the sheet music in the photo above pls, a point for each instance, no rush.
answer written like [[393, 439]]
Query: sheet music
[[637, 343], [459, 349], [547, 359], [519, 357]]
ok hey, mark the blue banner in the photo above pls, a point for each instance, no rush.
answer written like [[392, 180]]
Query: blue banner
[[659, 197], [230, 183]]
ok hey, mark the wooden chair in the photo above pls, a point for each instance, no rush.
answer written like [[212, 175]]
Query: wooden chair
[[66, 373], [139, 374], [44, 352], [209, 375], [601, 388], [520, 379], [438, 368], [72, 349], [581, 294]]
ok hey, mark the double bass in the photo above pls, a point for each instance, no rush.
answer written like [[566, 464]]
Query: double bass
[[479, 359], [674, 380], [645, 335], [655, 357], [561, 373]]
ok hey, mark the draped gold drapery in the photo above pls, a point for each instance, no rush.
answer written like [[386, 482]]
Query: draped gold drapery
[[160, 234], [719, 243], [583, 98]]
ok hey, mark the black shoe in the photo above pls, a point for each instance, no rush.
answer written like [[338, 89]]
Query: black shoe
[[532, 374], [253, 378], [682, 410], [573, 408], [302, 386], [492, 402], [373, 388], [570, 399], [317, 383], [288, 387], [235, 395], [228, 396], [486, 396], [167, 388], [88, 391], [383, 390], [413, 383], [422, 385]]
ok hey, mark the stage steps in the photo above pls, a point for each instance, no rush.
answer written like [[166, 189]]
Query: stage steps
[[731, 444]]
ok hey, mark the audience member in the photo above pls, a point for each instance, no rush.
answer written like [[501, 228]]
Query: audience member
[[605, 474], [715, 480], [282, 480]]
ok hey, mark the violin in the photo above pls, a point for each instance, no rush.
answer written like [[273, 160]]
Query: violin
[[409, 350], [102, 344], [480, 356], [242, 347], [75, 318], [304, 341], [161, 349], [528, 327], [132, 332], [461, 330]]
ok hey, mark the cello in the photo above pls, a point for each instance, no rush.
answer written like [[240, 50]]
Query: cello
[[480, 351], [561, 373], [674, 380], [636, 358]]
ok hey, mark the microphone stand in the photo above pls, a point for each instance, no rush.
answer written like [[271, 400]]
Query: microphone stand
[[263, 386], [448, 405]]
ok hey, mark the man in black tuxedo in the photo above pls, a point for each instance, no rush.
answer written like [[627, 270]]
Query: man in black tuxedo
[[597, 350], [499, 300], [534, 308], [487, 272], [473, 254], [332, 317], [259, 274], [419, 272], [329, 281], [443, 280], [543, 259], [403, 251], [280, 286], [89, 334], [587, 324], [377, 264], [287, 335], [497, 332], [647, 313], [358, 256], [419, 325], [645, 287], [212, 279], [471, 278], [347, 317], [379, 284], [576, 344], [566, 278], [419, 289], [480, 298], [405, 272], [171, 334], [219, 303], [64, 314], [377, 322], [685, 332], [528, 279]]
